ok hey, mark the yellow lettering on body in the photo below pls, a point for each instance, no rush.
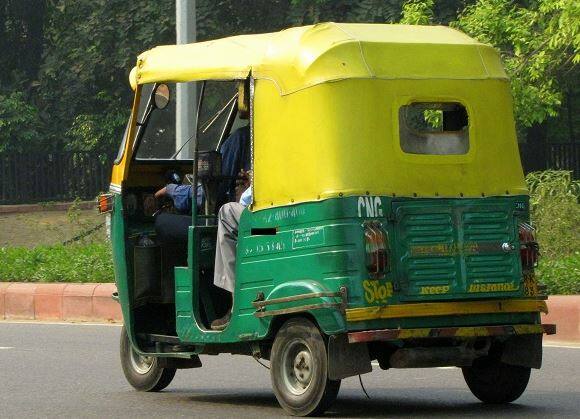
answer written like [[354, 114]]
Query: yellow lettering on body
[[377, 292], [440, 289], [503, 287], [369, 292]]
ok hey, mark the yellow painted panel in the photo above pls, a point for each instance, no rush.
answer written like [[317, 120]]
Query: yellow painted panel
[[445, 309], [341, 138], [121, 169], [467, 332]]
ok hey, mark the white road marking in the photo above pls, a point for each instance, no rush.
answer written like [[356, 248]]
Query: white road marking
[[6, 347], [554, 345], [60, 323]]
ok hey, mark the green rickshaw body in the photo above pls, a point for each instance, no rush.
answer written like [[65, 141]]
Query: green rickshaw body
[[389, 205]]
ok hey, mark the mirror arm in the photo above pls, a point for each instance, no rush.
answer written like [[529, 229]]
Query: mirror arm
[[143, 123]]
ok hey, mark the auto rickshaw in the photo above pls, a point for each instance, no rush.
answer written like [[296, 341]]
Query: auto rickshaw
[[389, 218]]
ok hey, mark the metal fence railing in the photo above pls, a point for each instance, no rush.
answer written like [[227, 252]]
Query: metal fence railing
[[37, 177], [564, 156], [65, 176]]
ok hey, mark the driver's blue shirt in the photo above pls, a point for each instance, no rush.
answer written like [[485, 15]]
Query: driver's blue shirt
[[181, 195]]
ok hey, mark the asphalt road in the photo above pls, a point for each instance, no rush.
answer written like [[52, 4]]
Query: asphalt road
[[59, 370]]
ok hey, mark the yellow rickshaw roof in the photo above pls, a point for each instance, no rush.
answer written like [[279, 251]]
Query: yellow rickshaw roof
[[297, 58]]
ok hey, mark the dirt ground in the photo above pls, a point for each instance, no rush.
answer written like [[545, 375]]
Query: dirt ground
[[48, 227]]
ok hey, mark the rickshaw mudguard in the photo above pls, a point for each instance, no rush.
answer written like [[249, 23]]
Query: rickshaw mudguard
[[305, 296]]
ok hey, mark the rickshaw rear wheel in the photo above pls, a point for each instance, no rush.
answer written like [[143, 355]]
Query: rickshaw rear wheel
[[492, 381], [143, 372], [299, 369]]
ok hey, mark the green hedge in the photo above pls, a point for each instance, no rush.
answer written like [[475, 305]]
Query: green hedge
[[74, 263], [555, 214], [561, 276]]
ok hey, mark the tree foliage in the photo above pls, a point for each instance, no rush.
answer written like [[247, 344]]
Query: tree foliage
[[19, 123], [83, 79], [65, 63], [418, 12], [21, 23], [539, 45]]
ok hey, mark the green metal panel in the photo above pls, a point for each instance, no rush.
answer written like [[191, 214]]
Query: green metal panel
[[312, 251], [452, 248], [319, 247], [123, 269]]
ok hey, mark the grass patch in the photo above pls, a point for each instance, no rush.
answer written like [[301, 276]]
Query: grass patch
[[561, 276], [75, 263], [48, 227], [555, 214]]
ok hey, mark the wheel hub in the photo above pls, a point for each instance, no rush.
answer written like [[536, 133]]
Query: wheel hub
[[297, 368], [141, 364], [303, 367]]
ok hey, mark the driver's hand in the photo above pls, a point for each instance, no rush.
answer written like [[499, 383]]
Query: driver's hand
[[161, 193], [243, 183], [246, 177], [163, 201]]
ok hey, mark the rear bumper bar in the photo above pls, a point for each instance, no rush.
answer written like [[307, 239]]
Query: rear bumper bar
[[451, 332], [451, 308]]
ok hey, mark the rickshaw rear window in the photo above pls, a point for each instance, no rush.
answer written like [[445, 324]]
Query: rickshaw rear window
[[434, 128]]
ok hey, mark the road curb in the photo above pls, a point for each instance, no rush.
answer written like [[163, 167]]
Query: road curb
[[59, 302], [93, 303], [564, 310]]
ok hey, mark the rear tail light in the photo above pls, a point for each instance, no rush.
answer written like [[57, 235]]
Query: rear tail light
[[376, 248], [105, 203], [529, 249]]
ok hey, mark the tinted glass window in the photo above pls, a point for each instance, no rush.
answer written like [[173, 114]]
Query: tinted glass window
[[158, 137], [434, 128]]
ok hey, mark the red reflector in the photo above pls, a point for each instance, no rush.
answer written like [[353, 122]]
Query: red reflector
[[105, 203], [529, 249], [376, 248]]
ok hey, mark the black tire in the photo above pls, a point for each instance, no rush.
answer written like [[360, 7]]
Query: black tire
[[299, 369], [492, 381], [143, 373]]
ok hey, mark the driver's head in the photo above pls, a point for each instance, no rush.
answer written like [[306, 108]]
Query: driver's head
[[244, 99]]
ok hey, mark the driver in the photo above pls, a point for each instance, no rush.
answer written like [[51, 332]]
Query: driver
[[236, 157]]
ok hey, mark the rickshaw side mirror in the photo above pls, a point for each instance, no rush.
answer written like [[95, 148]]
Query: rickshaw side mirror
[[161, 96]]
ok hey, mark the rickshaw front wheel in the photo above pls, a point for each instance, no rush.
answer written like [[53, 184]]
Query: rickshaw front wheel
[[143, 372], [492, 381], [299, 369]]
